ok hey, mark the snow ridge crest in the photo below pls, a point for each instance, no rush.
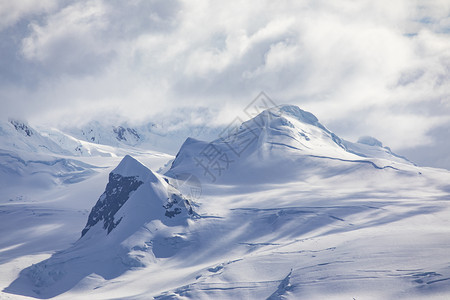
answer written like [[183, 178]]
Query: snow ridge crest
[[129, 166]]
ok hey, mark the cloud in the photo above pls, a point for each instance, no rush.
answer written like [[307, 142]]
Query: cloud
[[69, 41], [433, 154], [367, 67], [13, 11]]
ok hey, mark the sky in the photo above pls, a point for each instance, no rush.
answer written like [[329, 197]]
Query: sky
[[378, 68]]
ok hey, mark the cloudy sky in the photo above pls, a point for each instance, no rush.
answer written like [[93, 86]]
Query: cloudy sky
[[379, 68]]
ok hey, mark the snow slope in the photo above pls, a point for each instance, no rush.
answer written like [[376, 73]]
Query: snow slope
[[98, 138], [137, 206], [270, 146], [164, 136], [19, 135], [287, 210], [371, 147]]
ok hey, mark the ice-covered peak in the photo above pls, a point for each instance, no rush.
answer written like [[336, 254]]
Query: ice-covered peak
[[290, 126], [297, 113], [290, 120], [130, 166], [280, 134], [286, 112], [133, 196]]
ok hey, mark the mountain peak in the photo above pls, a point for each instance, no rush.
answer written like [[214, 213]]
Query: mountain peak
[[132, 180], [129, 166], [126, 178], [287, 115], [280, 134], [299, 114], [290, 126]]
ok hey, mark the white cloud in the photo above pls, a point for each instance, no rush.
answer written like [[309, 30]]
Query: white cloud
[[70, 40], [377, 60], [13, 11]]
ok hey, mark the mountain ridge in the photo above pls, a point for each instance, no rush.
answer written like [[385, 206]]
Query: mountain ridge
[[280, 135]]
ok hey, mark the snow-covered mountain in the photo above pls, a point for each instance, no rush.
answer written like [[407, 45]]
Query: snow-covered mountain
[[283, 208], [98, 139], [20, 136], [162, 137], [276, 141], [139, 218], [134, 185]]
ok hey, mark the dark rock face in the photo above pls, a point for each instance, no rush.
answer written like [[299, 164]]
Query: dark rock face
[[175, 204], [121, 131], [22, 127], [91, 136], [116, 194]]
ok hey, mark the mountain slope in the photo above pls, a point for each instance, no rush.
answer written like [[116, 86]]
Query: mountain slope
[[17, 135], [368, 146], [274, 142], [163, 136], [128, 227], [29, 173]]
